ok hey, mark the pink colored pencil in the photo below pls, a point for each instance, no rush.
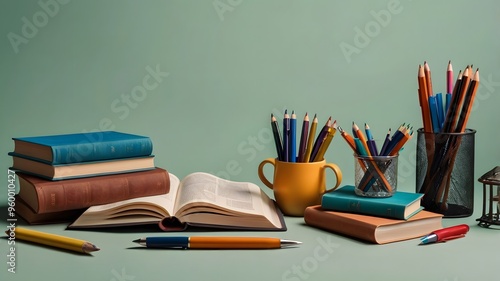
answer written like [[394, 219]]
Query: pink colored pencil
[[449, 79]]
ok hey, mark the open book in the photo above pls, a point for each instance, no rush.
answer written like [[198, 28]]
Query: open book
[[200, 199]]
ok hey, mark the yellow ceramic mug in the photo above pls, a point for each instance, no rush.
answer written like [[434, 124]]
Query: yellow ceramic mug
[[298, 185]]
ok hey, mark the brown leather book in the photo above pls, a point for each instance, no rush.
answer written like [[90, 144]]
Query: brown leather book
[[24, 211], [373, 229], [45, 196]]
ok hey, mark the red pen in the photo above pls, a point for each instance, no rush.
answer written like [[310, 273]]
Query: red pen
[[445, 234]]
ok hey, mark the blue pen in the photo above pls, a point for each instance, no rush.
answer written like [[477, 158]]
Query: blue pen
[[292, 149]]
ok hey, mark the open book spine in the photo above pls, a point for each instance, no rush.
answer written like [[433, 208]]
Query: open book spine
[[55, 196]]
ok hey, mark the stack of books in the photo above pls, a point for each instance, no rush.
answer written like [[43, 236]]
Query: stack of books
[[62, 175], [375, 220]]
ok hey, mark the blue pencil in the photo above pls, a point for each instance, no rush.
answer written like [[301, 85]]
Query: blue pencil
[[447, 103], [286, 134], [386, 143], [360, 147], [440, 110], [398, 135], [293, 141], [434, 114], [370, 142]]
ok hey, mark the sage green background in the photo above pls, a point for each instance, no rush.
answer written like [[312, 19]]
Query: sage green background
[[224, 66]]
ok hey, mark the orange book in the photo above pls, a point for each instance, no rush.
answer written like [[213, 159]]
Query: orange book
[[373, 229]]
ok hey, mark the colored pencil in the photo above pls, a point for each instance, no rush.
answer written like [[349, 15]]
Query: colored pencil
[[310, 139], [467, 104], [53, 240], [286, 136], [348, 138], [424, 100], [433, 108], [370, 142], [428, 79], [319, 140], [456, 103], [357, 133], [292, 149], [387, 140], [449, 78], [326, 142], [277, 137], [398, 135], [407, 135], [440, 111], [303, 138]]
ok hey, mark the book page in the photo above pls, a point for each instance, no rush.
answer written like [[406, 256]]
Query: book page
[[205, 188], [165, 202]]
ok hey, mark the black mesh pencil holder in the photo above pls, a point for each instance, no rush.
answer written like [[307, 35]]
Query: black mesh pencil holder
[[445, 172]]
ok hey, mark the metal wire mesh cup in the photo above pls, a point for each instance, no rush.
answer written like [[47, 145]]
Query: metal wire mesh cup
[[445, 172]]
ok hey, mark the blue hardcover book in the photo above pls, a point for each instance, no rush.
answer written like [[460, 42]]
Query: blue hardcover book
[[82, 147], [401, 205]]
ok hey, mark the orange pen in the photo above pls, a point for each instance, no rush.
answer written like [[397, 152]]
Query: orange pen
[[209, 242]]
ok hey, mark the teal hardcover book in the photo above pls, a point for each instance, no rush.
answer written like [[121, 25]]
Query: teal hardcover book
[[82, 147], [401, 205]]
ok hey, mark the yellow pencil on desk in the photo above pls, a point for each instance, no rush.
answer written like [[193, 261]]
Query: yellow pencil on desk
[[53, 240]]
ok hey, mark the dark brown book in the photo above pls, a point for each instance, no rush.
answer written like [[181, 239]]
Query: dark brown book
[[373, 229], [45, 196], [27, 214]]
